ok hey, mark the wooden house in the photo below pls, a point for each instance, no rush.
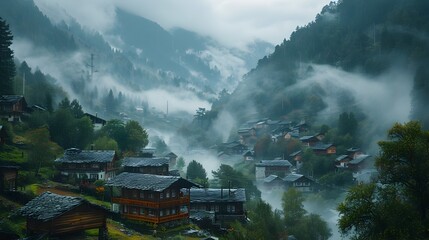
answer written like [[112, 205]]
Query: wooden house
[[355, 164], [88, 165], [227, 204], [309, 141], [249, 155], [233, 148], [97, 122], [54, 214], [274, 182], [158, 166], [299, 182], [265, 168], [324, 149], [297, 158], [12, 107], [8, 178], [151, 198]]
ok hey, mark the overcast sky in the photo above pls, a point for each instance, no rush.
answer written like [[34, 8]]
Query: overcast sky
[[232, 22]]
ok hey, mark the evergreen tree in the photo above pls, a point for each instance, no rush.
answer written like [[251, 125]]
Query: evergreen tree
[[7, 66]]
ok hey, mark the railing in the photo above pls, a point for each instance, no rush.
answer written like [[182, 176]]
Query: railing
[[155, 219], [149, 204]]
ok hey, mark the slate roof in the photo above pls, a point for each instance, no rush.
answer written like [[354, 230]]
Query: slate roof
[[307, 138], [292, 177], [171, 155], [271, 178], [295, 153], [144, 162], [74, 155], [50, 205], [214, 195], [342, 157], [10, 99], [148, 182], [359, 159], [273, 163], [248, 153], [322, 146]]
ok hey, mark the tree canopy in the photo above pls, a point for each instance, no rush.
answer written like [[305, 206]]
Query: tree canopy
[[397, 206], [7, 66]]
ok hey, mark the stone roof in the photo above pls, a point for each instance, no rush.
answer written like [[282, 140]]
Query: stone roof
[[50, 205], [307, 138], [292, 177], [144, 162], [322, 146], [359, 159], [74, 155], [273, 163], [214, 195], [295, 153], [10, 99], [271, 178], [342, 157], [171, 155], [148, 182]]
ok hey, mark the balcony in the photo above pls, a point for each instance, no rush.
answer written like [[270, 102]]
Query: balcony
[[150, 204], [155, 219]]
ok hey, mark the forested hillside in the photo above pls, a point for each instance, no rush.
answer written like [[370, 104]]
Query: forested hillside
[[368, 38]]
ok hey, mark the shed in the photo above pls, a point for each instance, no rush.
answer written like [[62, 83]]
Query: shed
[[55, 214]]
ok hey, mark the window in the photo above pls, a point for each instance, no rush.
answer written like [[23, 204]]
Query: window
[[151, 195], [142, 212], [141, 194], [150, 212], [125, 209], [133, 210], [94, 165], [167, 193], [173, 211], [93, 176], [161, 195], [230, 208], [173, 193], [134, 193], [167, 211], [161, 213]]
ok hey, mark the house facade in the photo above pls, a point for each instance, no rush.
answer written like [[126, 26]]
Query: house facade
[[324, 149], [227, 204], [265, 168], [151, 198], [8, 178], [299, 182], [88, 165], [97, 122], [12, 107]]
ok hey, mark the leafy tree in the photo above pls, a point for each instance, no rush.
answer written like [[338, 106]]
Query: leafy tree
[[195, 170], [226, 175], [105, 143], [7, 65], [262, 147], [396, 208], [302, 226], [42, 150], [137, 137]]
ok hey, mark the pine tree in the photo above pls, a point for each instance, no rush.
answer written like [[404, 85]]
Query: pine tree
[[7, 66]]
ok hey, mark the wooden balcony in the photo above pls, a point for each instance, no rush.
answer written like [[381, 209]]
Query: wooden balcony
[[155, 219], [157, 205]]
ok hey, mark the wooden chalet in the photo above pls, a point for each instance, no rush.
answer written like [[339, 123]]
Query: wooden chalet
[[54, 214], [12, 107], [249, 155], [97, 122], [88, 165], [309, 141], [356, 164], [299, 182], [233, 148], [151, 198], [227, 204], [8, 178], [265, 168], [324, 149], [297, 158], [274, 182], [158, 166]]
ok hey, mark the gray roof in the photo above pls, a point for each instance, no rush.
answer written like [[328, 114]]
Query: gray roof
[[148, 182], [50, 205], [292, 177], [295, 153], [10, 99], [271, 178], [214, 195], [359, 159], [74, 155], [273, 163], [342, 157], [322, 146], [171, 155], [144, 162]]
